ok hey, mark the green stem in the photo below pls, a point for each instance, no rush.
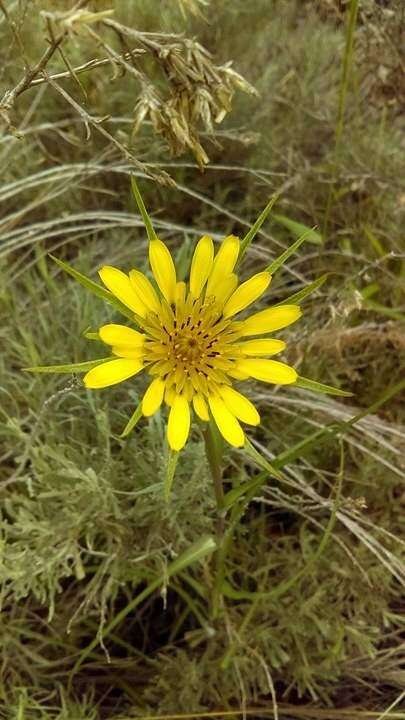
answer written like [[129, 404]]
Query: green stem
[[213, 449], [214, 456], [347, 63], [344, 86]]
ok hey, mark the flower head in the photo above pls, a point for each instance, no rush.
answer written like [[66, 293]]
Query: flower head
[[192, 341]]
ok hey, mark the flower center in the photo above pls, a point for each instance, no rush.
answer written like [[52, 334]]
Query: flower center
[[189, 345]]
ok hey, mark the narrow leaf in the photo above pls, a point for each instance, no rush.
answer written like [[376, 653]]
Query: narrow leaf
[[278, 262], [133, 420], [384, 310], [197, 551], [259, 460], [299, 296], [142, 209], [94, 288], [308, 384], [170, 470], [232, 496], [298, 229], [72, 368], [256, 226]]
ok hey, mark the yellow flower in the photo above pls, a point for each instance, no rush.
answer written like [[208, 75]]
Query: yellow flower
[[190, 340]]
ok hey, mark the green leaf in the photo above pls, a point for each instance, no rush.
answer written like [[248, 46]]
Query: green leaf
[[94, 288], [72, 368], [298, 229], [142, 209], [299, 296], [234, 594], [170, 470], [278, 262], [369, 290], [232, 496], [308, 384], [251, 451], [196, 552], [383, 310], [134, 419], [374, 241], [256, 226]]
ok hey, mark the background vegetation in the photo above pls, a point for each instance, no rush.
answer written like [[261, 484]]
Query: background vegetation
[[106, 612]]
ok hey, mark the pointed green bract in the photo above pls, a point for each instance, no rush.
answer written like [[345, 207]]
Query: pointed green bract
[[91, 335], [278, 262], [298, 229], [142, 209], [81, 367], [301, 295], [94, 288], [307, 384], [256, 227], [133, 420], [260, 460]]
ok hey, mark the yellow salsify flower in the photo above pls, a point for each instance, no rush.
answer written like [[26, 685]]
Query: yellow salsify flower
[[191, 341]]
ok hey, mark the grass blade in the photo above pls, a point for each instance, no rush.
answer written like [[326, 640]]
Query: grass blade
[[298, 229]]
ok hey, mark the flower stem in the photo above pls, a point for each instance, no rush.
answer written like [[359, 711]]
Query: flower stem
[[214, 455], [213, 449]]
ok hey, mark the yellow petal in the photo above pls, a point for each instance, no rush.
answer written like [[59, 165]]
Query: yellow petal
[[178, 426], [170, 395], [121, 335], [225, 288], [239, 405], [227, 423], [233, 372], [271, 319], [163, 269], [153, 397], [247, 293], [224, 262], [180, 292], [262, 347], [145, 290], [127, 351], [120, 285], [112, 372], [200, 407], [201, 265], [270, 371]]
